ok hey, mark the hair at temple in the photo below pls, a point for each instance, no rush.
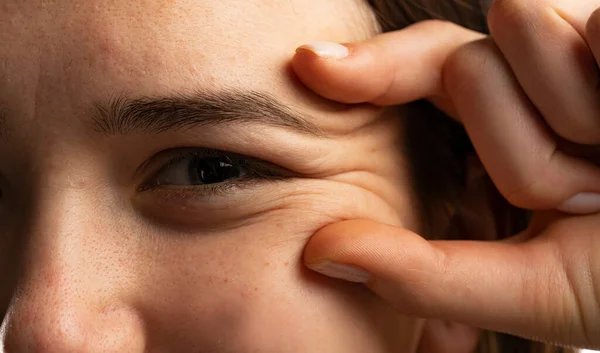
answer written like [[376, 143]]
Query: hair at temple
[[436, 143]]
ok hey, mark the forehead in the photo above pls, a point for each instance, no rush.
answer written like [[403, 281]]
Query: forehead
[[207, 24], [80, 49]]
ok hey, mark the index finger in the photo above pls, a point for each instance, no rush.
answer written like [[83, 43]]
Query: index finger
[[389, 69]]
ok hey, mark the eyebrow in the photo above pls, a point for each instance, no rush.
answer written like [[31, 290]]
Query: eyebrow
[[122, 115]]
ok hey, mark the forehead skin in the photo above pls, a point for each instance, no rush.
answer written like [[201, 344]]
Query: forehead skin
[[101, 276], [142, 46]]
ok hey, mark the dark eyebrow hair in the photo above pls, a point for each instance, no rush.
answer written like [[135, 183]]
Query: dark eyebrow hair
[[123, 115]]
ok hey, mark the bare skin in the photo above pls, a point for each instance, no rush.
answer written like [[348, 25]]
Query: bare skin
[[106, 249]]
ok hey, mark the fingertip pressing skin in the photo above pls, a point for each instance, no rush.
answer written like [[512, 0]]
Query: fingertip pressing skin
[[497, 286], [351, 250], [326, 49], [389, 69], [322, 245], [337, 72], [416, 276]]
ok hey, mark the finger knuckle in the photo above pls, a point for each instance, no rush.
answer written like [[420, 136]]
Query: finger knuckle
[[523, 196], [508, 16], [463, 67], [530, 190]]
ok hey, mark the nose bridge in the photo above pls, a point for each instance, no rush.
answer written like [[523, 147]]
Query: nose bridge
[[57, 232], [63, 222], [68, 297], [59, 263]]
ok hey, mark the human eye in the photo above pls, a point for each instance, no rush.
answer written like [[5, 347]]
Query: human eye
[[209, 172]]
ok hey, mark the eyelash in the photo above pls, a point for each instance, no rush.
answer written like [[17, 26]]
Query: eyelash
[[255, 171]]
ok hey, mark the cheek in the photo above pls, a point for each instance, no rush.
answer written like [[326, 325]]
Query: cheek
[[250, 284]]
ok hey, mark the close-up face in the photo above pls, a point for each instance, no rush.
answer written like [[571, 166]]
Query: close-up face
[[161, 170]]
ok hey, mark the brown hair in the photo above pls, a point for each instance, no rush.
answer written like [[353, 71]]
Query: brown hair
[[435, 142]]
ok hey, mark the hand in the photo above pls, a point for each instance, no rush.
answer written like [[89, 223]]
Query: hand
[[528, 99]]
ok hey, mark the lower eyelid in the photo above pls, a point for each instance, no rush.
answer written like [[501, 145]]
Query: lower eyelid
[[207, 192], [184, 206]]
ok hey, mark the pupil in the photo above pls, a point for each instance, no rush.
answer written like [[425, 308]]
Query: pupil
[[213, 170]]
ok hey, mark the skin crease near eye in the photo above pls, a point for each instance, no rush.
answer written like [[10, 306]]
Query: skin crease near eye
[[241, 165]]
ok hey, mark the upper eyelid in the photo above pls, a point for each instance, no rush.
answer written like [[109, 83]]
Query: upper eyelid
[[156, 157]]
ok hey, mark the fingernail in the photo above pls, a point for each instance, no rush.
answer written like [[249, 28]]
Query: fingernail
[[326, 49], [585, 202], [346, 272]]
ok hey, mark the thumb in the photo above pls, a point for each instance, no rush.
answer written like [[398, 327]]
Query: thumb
[[389, 69], [515, 288]]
